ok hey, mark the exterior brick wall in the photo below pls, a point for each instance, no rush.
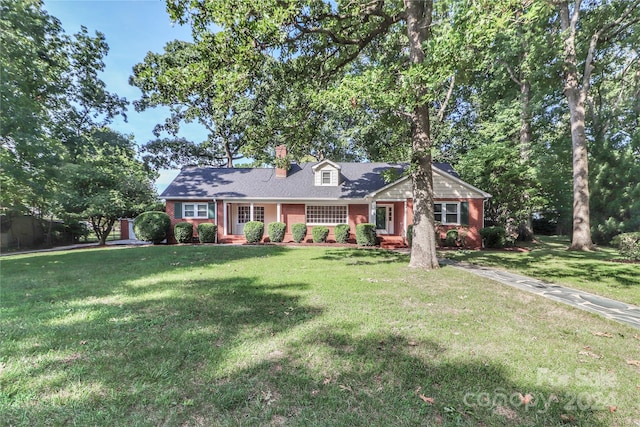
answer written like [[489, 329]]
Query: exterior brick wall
[[171, 211]]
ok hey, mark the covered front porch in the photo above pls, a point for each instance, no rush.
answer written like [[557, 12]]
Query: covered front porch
[[390, 218]]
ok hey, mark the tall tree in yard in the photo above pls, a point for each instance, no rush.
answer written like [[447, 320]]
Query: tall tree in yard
[[322, 44], [106, 183], [597, 24]]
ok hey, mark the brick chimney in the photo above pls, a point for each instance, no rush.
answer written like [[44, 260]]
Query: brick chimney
[[281, 167]]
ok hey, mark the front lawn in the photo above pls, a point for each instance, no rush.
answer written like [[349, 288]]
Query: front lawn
[[271, 335], [601, 272]]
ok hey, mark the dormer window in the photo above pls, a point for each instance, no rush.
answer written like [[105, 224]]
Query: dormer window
[[326, 177], [327, 173]]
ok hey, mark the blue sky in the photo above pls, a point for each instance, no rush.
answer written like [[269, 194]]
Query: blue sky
[[132, 28]]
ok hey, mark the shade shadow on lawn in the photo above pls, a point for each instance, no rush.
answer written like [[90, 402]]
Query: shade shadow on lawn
[[167, 342], [160, 351], [362, 256]]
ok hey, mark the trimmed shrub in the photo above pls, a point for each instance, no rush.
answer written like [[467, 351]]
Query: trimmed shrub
[[452, 238], [320, 234], [494, 237], [152, 226], [342, 232], [628, 245], [276, 231], [366, 234], [299, 232], [253, 231], [409, 234], [207, 232], [183, 232]]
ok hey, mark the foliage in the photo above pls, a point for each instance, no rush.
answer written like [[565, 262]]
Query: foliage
[[199, 86], [494, 237], [319, 233], [342, 233], [409, 234], [53, 127], [299, 232], [183, 232], [253, 231], [366, 234], [451, 238], [105, 184], [544, 226], [277, 231], [207, 232], [628, 244], [152, 226]]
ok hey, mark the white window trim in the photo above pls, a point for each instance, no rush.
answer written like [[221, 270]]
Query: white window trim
[[195, 210], [322, 175], [254, 212], [444, 212], [306, 216]]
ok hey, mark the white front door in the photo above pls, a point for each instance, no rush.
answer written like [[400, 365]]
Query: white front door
[[243, 215], [384, 219]]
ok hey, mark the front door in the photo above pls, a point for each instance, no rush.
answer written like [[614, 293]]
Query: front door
[[244, 215], [384, 219]]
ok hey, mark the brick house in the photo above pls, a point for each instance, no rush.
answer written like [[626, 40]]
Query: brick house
[[321, 193]]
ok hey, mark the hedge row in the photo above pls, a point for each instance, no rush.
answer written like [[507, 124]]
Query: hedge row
[[155, 226]]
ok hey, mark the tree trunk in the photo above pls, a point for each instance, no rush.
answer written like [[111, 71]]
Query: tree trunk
[[576, 97], [423, 248], [581, 239], [525, 227], [102, 229]]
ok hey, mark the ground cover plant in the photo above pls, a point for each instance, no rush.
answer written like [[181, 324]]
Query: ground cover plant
[[601, 272], [271, 335]]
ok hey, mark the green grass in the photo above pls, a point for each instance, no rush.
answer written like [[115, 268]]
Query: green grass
[[270, 335], [599, 272]]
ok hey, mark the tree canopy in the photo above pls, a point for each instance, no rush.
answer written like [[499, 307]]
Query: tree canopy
[[55, 109]]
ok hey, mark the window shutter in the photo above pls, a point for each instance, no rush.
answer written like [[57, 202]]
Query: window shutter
[[212, 210], [464, 213], [177, 212]]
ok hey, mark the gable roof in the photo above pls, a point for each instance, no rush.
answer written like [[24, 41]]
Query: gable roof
[[449, 178], [325, 162], [358, 181]]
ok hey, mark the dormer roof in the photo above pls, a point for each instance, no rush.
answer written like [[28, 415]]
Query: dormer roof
[[323, 163]]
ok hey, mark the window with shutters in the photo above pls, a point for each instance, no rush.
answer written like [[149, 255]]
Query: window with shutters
[[195, 210], [447, 213]]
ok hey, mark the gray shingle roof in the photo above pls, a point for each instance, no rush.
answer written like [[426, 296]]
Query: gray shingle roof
[[357, 180]]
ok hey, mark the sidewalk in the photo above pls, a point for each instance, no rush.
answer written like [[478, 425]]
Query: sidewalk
[[130, 242], [610, 309]]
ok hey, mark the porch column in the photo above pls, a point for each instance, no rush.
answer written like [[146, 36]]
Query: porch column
[[404, 220], [278, 212], [224, 218], [372, 213], [251, 212]]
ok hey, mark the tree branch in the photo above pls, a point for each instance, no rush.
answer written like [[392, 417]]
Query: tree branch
[[443, 107]]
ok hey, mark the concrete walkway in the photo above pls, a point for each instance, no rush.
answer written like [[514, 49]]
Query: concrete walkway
[[611, 309]]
